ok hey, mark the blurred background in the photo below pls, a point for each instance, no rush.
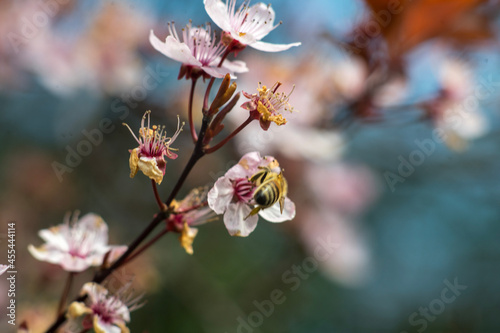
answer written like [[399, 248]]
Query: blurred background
[[391, 157]]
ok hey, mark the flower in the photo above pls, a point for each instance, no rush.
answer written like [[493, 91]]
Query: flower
[[105, 313], [198, 52], [190, 211], [153, 146], [245, 26], [77, 245], [232, 195], [3, 268], [267, 104]]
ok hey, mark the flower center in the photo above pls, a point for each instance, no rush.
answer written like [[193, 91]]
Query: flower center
[[243, 189]]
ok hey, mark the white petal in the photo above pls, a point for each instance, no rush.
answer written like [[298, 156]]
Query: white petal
[[235, 222], [76, 264], [273, 214], [235, 66], [216, 72], [55, 237], [261, 13], [174, 49], [94, 224], [220, 196], [217, 11], [3, 269], [269, 47], [45, 253]]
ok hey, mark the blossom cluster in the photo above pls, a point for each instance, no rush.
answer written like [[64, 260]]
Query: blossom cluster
[[255, 187]]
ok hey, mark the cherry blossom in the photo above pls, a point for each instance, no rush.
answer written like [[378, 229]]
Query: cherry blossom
[[154, 145], [103, 311], [198, 52], [232, 195], [245, 26], [77, 244]]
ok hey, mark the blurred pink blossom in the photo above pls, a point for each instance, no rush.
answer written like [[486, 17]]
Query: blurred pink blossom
[[77, 244]]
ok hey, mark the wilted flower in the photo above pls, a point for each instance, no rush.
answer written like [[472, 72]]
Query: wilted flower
[[153, 146], [77, 244], [245, 26], [232, 195], [191, 211], [198, 52], [267, 104], [3, 268], [105, 313]]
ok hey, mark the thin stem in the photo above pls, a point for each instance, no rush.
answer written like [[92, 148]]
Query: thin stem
[[64, 296], [210, 150], [157, 197], [145, 246], [190, 111], [195, 156]]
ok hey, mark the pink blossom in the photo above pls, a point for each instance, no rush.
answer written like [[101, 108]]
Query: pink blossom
[[3, 268], [232, 195], [246, 25], [153, 146], [76, 245], [198, 51], [103, 311]]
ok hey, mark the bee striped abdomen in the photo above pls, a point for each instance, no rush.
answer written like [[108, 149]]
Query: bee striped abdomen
[[267, 194]]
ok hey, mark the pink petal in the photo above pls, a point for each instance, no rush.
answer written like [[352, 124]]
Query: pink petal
[[174, 49], [273, 214], [269, 47], [217, 11], [235, 222], [220, 196]]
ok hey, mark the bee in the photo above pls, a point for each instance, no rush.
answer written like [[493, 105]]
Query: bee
[[271, 188]]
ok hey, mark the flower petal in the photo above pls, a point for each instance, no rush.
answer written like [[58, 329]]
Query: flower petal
[[77, 309], [273, 214], [263, 16], [235, 222], [149, 167], [220, 196], [174, 49], [218, 12], [3, 268], [46, 253], [100, 326], [236, 66], [269, 47], [93, 223], [216, 72]]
